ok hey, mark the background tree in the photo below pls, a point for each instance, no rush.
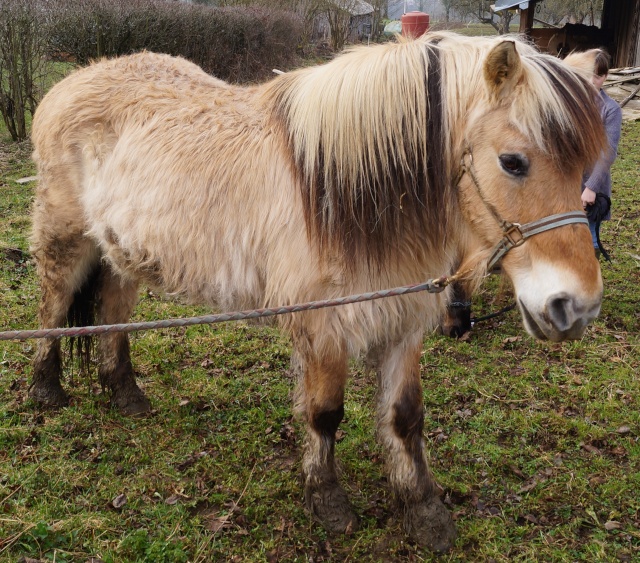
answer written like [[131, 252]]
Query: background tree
[[499, 20], [481, 11], [380, 12], [280, 4], [574, 11], [448, 6], [23, 64], [338, 14], [551, 11]]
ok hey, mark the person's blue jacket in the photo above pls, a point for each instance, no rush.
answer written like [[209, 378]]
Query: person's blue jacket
[[599, 179]]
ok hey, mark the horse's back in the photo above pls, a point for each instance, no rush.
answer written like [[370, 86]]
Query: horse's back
[[117, 92], [147, 107]]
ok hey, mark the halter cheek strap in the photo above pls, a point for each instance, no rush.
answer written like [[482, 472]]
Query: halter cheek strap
[[515, 234]]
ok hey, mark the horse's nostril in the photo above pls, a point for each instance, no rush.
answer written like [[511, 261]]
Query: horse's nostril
[[560, 311]]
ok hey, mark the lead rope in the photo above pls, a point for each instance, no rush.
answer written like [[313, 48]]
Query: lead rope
[[437, 285], [432, 286]]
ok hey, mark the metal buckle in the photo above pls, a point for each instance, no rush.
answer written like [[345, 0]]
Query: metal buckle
[[509, 231]]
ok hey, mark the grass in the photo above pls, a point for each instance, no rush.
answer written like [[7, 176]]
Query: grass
[[536, 445], [469, 29]]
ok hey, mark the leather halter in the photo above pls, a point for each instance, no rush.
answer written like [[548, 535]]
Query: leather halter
[[515, 234]]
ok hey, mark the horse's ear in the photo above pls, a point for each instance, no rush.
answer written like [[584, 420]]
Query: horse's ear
[[502, 69], [583, 61]]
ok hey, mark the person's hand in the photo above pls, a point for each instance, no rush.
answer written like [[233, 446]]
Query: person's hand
[[588, 197]]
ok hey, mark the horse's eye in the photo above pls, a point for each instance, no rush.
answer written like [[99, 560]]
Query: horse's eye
[[514, 164]]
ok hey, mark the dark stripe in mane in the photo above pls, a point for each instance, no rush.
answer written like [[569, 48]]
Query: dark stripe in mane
[[438, 173], [384, 209]]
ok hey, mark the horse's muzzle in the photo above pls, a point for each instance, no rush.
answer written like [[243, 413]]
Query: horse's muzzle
[[563, 317]]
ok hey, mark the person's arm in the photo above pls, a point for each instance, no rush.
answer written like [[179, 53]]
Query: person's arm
[[598, 177]]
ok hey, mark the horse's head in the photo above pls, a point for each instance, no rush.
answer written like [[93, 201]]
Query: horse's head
[[526, 147]]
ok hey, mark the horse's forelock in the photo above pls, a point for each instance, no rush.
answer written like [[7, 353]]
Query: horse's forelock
[[575, 134], [558, 109], [553, 105]]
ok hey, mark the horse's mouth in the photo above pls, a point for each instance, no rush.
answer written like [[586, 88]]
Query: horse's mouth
[[529, 322], [555, 326]]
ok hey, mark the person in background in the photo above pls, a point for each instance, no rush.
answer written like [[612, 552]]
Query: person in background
[[596, 189]]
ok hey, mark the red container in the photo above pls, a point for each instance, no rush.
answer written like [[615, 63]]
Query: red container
[[414, 24]]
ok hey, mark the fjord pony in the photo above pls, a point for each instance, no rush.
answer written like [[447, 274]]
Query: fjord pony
[[326, 181]]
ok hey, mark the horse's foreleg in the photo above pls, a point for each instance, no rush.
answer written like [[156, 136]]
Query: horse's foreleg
[[401, 423], [321, 402], [457, 317], [116, 300]]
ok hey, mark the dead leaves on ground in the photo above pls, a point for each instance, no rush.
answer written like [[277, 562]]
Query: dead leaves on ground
[[217, 519]]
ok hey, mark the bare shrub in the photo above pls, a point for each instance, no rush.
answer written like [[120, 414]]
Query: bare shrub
[[238, 44], [23, 67]]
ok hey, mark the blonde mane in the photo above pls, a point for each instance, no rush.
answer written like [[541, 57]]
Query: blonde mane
[[376, 135]]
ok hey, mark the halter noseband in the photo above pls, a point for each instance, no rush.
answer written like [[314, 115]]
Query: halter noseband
[[515, 234]]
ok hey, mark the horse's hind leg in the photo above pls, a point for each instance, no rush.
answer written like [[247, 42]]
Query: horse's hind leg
[[321, 401], [400, 427], [117, 297], [63, 262]]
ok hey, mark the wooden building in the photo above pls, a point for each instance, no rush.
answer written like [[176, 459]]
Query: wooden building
[[618, 32]]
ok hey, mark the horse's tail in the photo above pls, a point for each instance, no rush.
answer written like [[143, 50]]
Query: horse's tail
[[82, 312]]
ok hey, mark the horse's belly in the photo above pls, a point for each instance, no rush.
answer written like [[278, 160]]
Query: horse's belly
[[179, 251], [227, 280]]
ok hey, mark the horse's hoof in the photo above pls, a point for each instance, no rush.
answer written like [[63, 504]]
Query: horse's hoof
[[329, 505], [49, 395], [430, 525], [131, 403]]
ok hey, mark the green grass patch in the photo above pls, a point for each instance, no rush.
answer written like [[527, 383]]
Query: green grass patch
[[536, 445], [470, 29]]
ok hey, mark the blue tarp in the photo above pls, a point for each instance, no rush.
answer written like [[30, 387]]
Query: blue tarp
[[393, 27], [506, 4]]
